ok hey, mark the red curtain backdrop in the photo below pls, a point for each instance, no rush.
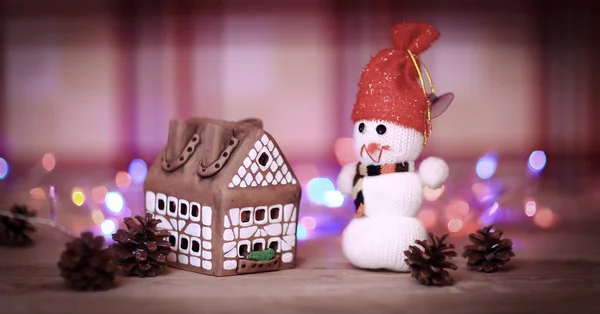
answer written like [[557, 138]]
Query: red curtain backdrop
[[298, 63]]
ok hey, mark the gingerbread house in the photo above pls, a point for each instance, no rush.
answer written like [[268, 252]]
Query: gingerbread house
[[223, 190]]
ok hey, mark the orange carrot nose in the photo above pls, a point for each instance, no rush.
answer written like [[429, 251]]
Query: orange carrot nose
[[372, 148]]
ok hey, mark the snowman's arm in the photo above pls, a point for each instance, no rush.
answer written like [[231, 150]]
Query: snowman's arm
[[434, 172], [345, 178]]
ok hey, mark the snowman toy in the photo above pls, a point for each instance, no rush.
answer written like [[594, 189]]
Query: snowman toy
[[392, 121]]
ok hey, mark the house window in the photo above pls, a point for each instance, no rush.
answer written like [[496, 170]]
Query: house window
[[172, 206], [183, 209], [195, 212], [274, 245], [263, 159], [173, 240], [161, 203], [260, 215], [243, 250], [246, 216], [275, 213], [258, 245], [195, 246], [184, 244]]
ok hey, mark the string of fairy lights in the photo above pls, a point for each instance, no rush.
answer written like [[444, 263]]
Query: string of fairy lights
[[460, 208]]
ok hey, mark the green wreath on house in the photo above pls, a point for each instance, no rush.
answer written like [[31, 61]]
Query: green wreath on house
[[262, 256]]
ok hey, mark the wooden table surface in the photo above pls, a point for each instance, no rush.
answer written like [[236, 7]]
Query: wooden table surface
[[554, 272]]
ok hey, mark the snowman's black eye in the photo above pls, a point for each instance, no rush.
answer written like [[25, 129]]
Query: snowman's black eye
[[361, 127], [381, 129]]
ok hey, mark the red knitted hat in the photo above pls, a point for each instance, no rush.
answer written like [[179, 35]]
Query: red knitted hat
[[389, 87]]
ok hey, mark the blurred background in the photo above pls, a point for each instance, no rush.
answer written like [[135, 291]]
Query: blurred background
[[88, 87]]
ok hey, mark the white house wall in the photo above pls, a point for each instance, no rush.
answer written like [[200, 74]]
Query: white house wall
[[239, 232], [190, 226], [254, 172]]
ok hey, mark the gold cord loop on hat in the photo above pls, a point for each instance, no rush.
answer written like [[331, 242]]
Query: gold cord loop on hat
[[414, 58]]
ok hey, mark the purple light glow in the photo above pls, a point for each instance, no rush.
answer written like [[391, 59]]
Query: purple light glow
[[486, 166], [491, 215], [3, 168], [494, 208], [537, 161], [530, 208], [137, 171], [308, 222]]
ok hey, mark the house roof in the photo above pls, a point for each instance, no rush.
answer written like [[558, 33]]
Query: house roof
[[199, 156]]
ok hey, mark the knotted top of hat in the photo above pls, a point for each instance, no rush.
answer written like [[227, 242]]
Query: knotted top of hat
[[389, 88]]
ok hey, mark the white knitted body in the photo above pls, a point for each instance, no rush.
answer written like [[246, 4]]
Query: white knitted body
[[391, 201], [379, 243], [393, 195]]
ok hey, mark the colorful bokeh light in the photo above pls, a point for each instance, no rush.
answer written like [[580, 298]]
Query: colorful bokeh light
[[4, 169], [301, 232], [137, 171], [123, 180], [530, 208], [492, 214], [455, 225], [126, 212], [38, 194], [344, 151], [108, 227], [432, 194], [308, 222], [114, 201], [77, 196], [334, 199], [482, 191], [457, 208], [97, 216], [544, 218], [48, 162], [493, 208], [99, 194], [486, 166], [537, 161], [317, 189]]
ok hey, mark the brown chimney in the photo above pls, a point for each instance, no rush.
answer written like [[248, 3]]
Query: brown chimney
[[214, 140], [180, 133]]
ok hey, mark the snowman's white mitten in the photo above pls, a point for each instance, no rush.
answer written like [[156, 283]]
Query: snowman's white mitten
[[344, 180], [434, 172]]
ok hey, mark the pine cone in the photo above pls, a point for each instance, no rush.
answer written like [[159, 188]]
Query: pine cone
[[86, 265], [142, 249], [16, 229], [428, 266], [488, 253]]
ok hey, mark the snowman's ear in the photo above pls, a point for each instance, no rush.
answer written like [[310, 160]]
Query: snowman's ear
[[439, 104]]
